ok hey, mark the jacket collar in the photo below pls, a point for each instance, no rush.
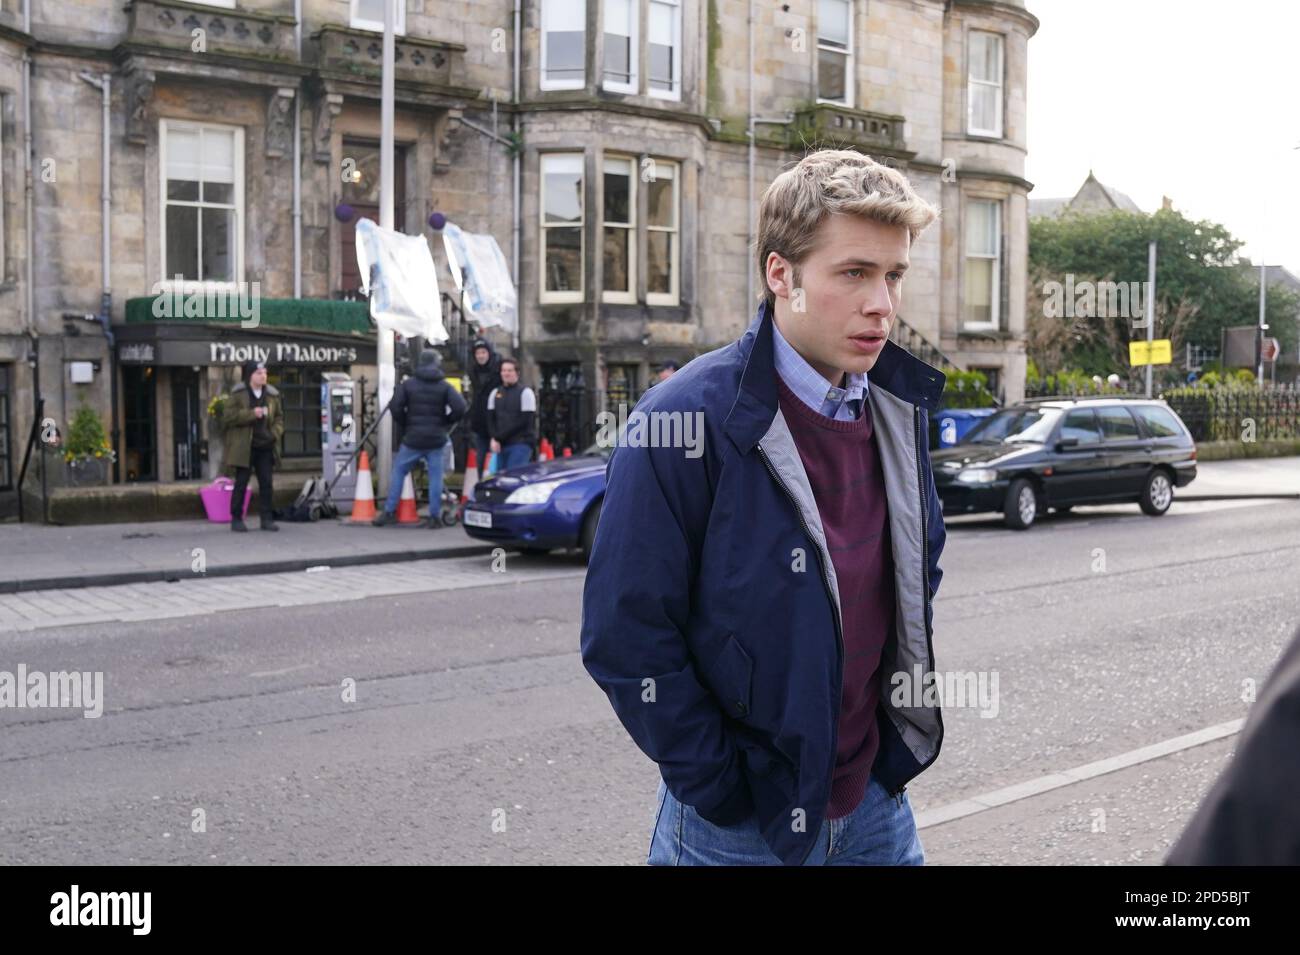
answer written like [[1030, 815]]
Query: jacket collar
[[269, 388], [896, 370]]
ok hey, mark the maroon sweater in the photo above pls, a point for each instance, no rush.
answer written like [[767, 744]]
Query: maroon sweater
[[843, 466]]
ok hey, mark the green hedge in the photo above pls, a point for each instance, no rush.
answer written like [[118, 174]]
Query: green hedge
[[309, 314], [966, 389], [1238, 413]]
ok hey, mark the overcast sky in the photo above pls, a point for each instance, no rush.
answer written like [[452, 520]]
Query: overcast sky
[[1189, 99]]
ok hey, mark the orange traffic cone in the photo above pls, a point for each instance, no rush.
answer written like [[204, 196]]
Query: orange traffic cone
[[471, 476], [545, 452], [363, 505], [406, 509], [568, 452]]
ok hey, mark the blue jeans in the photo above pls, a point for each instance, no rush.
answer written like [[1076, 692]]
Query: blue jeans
[[482, 444], [403, 461], [514, 456], [881, 831]]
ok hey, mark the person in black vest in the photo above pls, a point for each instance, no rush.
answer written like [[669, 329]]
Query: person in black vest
[[512, 418], [424, 407], [484, 378]]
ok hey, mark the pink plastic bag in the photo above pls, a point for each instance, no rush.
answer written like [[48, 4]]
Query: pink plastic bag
[[216, 500]]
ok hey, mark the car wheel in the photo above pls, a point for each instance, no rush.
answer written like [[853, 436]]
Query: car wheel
[[1021, 506], [1158, 493], [588, 539]]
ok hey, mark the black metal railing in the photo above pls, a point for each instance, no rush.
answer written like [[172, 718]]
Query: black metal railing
[[458, 349], [35, 445], [908, 337], [920, 346], [369, 408], [1238, 414], [562, 408]]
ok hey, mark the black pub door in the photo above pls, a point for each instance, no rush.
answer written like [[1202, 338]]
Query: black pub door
[[138, 410], [185, 424]]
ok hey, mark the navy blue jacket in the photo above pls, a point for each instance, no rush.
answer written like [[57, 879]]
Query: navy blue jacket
[[425, 406], [711, 613]]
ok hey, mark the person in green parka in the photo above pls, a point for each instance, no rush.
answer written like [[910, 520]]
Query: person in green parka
[[252, 422]]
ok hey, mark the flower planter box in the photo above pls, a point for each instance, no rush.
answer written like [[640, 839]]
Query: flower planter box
[[90, 472]]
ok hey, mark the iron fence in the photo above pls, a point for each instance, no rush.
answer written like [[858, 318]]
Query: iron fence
[[1237, 414]]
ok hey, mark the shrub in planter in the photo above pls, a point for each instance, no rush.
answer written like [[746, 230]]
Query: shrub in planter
[[87, 451]]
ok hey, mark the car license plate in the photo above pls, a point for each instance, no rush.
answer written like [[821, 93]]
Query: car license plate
[[478, 518]]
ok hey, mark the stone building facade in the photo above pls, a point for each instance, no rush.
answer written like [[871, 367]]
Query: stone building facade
[[934, 88], [630, 134]]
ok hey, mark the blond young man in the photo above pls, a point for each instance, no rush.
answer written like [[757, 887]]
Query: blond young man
[[752, 612]]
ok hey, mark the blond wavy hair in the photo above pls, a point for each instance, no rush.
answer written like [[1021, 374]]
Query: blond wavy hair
[[826, 182]]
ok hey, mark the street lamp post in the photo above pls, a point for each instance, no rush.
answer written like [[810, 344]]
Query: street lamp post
[[387, 373], [1263, 325], [1151, 307], [1259, 332]]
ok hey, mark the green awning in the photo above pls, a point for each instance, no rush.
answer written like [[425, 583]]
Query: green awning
[[224, 308]]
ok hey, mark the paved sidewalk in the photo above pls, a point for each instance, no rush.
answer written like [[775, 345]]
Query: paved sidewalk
[[37, 557], [1249, 477], [197, 596]]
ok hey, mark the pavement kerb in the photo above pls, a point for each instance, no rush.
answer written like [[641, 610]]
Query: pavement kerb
[[238, 570]]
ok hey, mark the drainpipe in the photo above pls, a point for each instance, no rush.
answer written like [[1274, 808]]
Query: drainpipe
[[515, 209], [491, 134], [297, 158], [515, 125], [384, 336], [105, 317], [30, 249]]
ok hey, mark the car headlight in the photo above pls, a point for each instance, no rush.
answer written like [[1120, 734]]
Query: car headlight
[[533, 493], [978, 476]]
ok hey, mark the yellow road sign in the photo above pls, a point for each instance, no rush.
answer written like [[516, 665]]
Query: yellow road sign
[[1158, 352]]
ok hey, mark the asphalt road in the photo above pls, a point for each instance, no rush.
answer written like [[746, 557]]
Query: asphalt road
[[476, 736]]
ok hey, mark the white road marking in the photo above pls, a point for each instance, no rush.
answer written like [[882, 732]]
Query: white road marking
[[301, 666], [1068, 777]]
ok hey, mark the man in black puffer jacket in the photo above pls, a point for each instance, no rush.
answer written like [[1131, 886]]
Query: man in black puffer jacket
[[424, 407]]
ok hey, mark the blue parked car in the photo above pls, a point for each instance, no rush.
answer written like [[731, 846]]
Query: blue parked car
[[543, 505]]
